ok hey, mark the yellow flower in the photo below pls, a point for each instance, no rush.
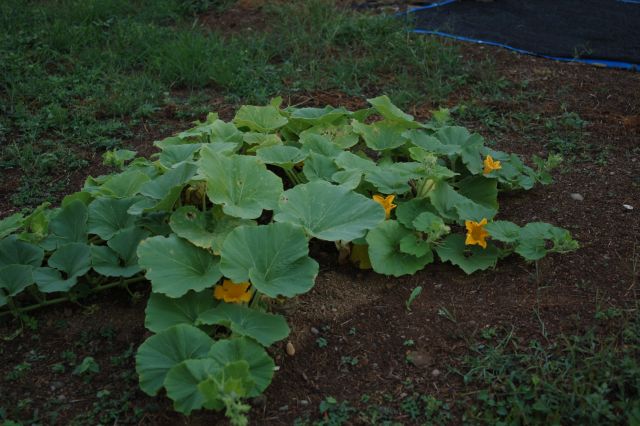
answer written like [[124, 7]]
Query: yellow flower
[[231, 292], [490, 165], [476, 233], [386, 203]]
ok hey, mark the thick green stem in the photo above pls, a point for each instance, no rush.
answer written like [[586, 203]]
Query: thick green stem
[[63, 299]]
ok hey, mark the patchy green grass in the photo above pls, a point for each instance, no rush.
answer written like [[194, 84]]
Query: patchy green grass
[[587, 379], [77, 76]]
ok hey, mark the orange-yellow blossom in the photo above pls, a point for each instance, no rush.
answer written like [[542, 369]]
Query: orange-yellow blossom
[[231, 292], [386, 203], [476, 233], [490, 165]]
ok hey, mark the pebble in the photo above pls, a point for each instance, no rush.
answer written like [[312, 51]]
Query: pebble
[[627, 206], [435, 372], [304, 402], [284, 408], [577, 197], [315, 330], [291, 350]]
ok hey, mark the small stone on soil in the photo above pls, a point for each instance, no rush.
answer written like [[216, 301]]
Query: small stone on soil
[[577, 197], [435, 372], [627, 206], [315, 330], [291, 350]]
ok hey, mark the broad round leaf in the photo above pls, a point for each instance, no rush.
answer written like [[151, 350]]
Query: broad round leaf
[[273, 257], [329, 212], [263, 327], [11, 224], [16, 252], [385, 254], [260, 364], [106, 262], [283, 156], [381, 135], [50, 280], [502, 230], [163, 312], [315, 116], [14, 279], [182, 383], [264, 119], [109, 215], [159, 353], [174, 266], [242, 184], [73, 259], [389, 111], [68, 226], [469, 258]]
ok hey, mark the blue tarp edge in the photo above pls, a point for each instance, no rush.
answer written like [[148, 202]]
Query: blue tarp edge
[[597, 62]]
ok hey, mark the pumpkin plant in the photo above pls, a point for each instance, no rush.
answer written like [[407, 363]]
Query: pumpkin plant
[[219, 222]]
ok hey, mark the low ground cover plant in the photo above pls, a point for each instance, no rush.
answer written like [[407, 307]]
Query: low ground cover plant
[[220, 222]]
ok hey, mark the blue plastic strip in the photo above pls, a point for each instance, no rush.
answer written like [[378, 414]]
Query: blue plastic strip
[[598, 62], [432, 5]]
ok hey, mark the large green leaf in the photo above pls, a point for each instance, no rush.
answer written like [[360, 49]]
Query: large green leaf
[[389, 111], [162, 192], [242, 184], [163, 312], [502, 230], [393, 178], [469, 258], [315, 116], [453, 206], [174, 155], [194, 225], [11, 224], [232, 382], [16, 252], [109, 215], [183, 383], [107, 262], [385, 254], [320, 145], [319, 167], [73, 259], [264, 119], [430, 143], [159, 353], [350, 161], [329, 212], [68, 226], [531, 240], [480, 190], [341, 135], [174, 266], [14, 279], [470, 146], [273, 257], [280, 155], [123, 185], [381, 135], [260, 364], [408, 211], [119, 259], [242, 320]]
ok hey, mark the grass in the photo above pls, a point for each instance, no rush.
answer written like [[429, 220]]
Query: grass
[[76, 77]]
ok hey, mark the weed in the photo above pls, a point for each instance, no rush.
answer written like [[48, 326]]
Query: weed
[[581, 379], [322, 342]]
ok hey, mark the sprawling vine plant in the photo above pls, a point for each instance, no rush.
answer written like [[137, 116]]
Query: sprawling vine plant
[[219, 223]]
